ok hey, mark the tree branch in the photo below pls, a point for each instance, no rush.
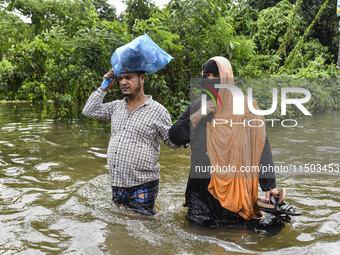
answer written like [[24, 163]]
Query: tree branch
[[302, 39]]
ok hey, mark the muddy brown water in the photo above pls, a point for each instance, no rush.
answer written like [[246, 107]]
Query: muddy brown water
[[55, 194]]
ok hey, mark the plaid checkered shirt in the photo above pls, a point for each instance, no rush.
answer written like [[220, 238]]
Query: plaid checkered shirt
[[134, 146]]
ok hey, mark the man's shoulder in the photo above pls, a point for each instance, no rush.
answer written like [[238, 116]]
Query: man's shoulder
[[118, 101], [158, 106]]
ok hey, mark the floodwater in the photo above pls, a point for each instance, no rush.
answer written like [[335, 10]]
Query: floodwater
[[55, 196]]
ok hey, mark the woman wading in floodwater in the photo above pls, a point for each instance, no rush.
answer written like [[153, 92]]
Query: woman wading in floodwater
[[217, 198]]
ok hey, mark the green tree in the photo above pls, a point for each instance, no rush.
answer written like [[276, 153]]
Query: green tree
[[326, 30], [70, 50], [297, 48], [272, 25], [72, 14], [137, 10], [105, 10], [263, 4], [12, 31]]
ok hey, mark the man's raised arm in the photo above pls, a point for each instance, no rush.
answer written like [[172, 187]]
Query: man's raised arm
[[94, 107]]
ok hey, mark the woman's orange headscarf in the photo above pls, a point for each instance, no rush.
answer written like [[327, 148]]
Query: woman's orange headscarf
[[234, 146]]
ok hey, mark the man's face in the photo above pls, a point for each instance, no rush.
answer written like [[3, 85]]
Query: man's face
[[130, 83]]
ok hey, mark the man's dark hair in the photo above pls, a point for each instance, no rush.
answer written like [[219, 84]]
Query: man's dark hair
[[140, 72]]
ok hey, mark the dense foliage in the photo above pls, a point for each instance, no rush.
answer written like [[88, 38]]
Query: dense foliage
[[62, 54]]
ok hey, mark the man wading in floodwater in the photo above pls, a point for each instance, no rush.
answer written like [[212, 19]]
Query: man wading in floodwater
[[138, 124]]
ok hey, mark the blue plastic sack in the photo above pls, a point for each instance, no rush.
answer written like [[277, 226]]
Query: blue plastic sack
[[141, 54], [106, 82]]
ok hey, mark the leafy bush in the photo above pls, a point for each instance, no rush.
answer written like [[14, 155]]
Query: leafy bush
[[62, 56]]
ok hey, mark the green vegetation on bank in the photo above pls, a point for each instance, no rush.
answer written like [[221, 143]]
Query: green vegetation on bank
[[61, 56]]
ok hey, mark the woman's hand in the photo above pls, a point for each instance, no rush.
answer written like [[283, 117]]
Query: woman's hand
[[273, 192], [197, 116]]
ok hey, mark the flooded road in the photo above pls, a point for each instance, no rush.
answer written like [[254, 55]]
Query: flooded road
[[55, 194]]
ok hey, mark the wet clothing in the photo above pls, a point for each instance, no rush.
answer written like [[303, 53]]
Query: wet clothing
[[140, 199], [134, 147], [203, 208]]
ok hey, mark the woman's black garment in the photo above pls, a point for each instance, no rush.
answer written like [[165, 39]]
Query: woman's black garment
[[203, 208]]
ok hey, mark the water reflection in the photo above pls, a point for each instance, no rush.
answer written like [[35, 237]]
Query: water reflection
[[55, 194]]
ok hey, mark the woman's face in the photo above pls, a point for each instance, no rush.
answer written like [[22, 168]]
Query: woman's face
[[211, 75]]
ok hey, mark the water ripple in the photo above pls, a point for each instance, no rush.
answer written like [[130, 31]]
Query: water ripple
[[55, 194]]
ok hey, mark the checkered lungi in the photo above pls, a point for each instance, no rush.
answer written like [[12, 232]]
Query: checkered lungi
[[140, 199]]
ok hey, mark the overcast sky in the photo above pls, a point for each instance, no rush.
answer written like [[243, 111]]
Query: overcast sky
[[120, 7]]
